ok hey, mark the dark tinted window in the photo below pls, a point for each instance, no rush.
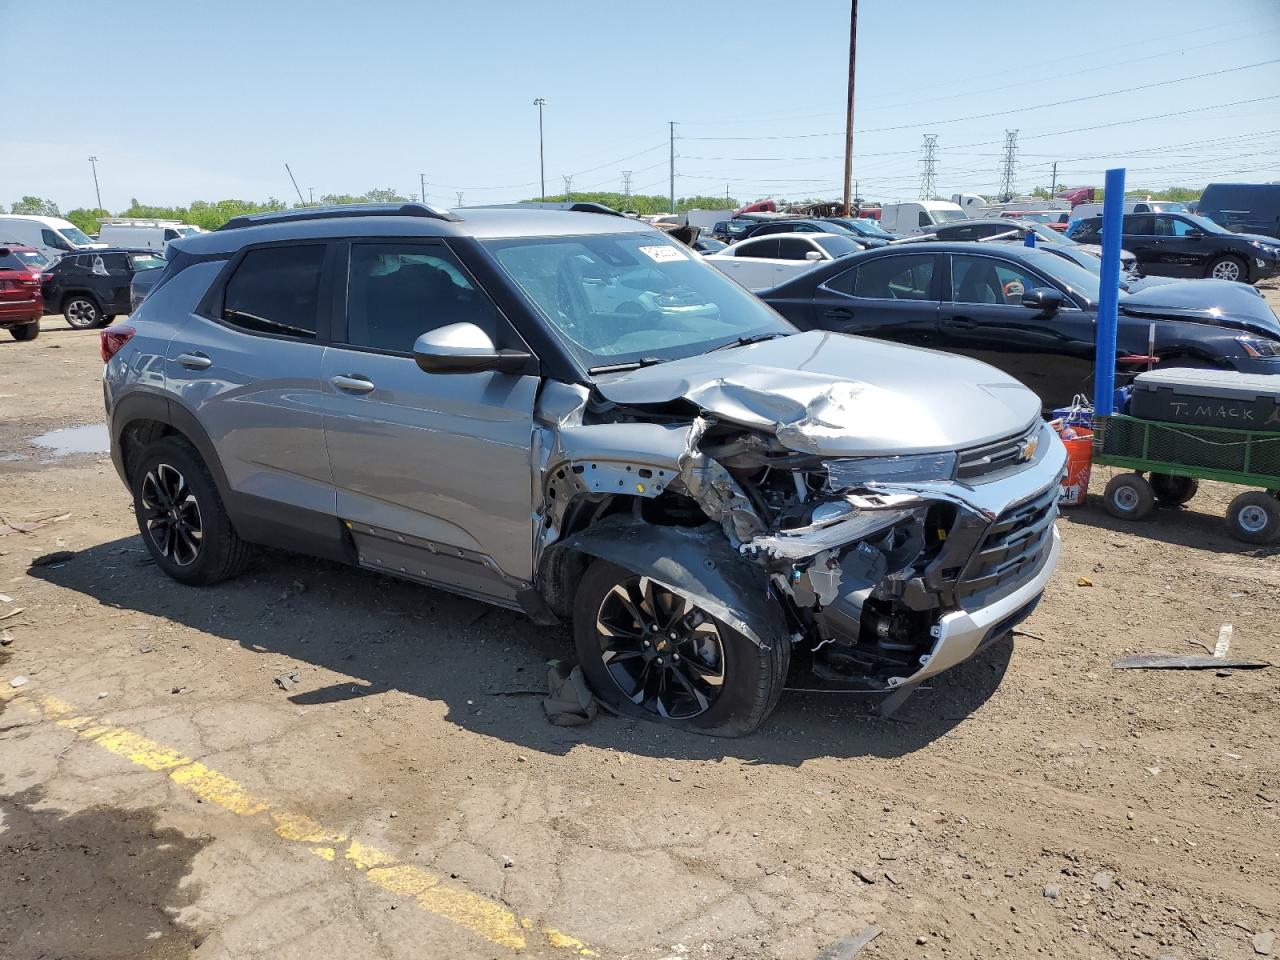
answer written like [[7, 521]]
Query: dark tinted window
[[398, 291], [924, 219], [1169, 226], [793, 248], [51, 239], [1139, 224], [895, 278], [115, 261], [1087, 231], [987, 280], [843, 282], [171, 234], [768, 249], [276, 290]]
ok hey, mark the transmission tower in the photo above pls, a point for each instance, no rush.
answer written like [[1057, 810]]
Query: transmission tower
[[930, 160], [568, 186], [626, 183], [1009, 166]]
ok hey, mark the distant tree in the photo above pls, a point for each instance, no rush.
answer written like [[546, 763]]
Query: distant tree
[[644, 203], [36, 207], [87, 220]]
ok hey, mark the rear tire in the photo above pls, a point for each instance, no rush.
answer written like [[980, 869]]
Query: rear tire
[[1254, 517], [646, 673], [82, 311], [181, 517], [27, 331], [1129, 497], [1228, 268], [1173, 491]]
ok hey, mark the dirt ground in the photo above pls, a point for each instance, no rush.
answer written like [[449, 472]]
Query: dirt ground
[[162, 797]]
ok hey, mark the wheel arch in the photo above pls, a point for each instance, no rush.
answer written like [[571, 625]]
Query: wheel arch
[[67, 295], [140, 418]]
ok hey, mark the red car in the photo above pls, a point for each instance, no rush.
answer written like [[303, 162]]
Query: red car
[[1056, 219], [21, 304]]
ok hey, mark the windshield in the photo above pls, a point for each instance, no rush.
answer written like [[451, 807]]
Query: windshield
[[946, 216], [75, 236], [1048, 233], [618, 298], [147, 261], [869, 228], [838, 246]]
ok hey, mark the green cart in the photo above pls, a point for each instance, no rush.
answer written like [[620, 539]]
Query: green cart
[[1167, 460]]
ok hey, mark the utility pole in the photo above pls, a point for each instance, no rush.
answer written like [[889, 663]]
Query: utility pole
[[1009, 166], [93, 162], [1053, 181], [540, 102], [726, 193], [311, 192], [568, 187], [422, 185], [848, 120], [928, 184], [673, 165], [626, 183], [295, 185]]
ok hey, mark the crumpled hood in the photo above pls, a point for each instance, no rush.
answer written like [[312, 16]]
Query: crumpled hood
[[1223, 303], [836, 395]]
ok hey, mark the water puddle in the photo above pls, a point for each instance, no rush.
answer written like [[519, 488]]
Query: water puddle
[[91, 438]]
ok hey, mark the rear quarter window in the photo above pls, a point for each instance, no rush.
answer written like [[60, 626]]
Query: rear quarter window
[[276, 290]]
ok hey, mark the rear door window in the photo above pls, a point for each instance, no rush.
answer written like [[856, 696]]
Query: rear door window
[[766, 249], [793, 248], [895, 278], [1139, 225], [988, 280], [276, 290]]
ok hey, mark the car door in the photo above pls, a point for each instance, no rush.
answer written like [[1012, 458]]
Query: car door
[[982, 317], [248, 368], [1184, 248], [754, 262], [432, 470], [1141, 239], [111, 275], [893, 297]]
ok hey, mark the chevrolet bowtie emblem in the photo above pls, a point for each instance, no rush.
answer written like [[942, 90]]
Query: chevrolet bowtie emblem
[[1027, 449]]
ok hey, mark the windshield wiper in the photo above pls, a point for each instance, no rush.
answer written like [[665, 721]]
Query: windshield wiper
[[745, 341], [628, 365]]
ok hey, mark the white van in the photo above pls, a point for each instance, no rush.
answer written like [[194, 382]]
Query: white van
[[52, 236], [918, 216], [1084, 211], [134, 233]]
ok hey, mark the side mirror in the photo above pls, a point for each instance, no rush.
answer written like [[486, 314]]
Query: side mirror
[[464, 348], [1043, 300], [814, 255], [1194, 234]]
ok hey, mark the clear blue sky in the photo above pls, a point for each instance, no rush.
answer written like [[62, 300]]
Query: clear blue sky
[[184, 101]]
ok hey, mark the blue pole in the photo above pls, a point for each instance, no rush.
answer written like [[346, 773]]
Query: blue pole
[[1104, 367]]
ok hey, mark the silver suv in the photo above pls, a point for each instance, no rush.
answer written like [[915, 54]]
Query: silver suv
[[571, 415]]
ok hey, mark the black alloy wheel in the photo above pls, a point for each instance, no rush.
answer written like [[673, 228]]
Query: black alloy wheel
[[664, 654], [172, 514]]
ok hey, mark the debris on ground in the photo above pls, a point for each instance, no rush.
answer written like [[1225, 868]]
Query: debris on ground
[[29, 526], [1083, 582], [6, 638], [18, 681], [1052, 891], [1263, 942], [846, 948], [1174, 661], [48, 559], [180, 690], [289, 680], [568, 703], [5, 598], [11, 613]]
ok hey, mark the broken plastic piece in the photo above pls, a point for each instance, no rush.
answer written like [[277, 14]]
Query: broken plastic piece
[[568, 703], [1170, 661]]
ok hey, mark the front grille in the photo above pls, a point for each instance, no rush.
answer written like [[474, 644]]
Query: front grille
[[1010, 551], [978, 462]]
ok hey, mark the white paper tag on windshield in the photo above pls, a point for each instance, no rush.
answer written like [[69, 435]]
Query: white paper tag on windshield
[[663, 253]]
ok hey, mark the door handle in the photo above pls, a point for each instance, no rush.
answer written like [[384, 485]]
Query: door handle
[[195, 361], [353, 384], [839, 313], [960, 323]]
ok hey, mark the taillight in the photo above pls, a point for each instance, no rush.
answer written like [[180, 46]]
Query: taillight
[[112, 339]]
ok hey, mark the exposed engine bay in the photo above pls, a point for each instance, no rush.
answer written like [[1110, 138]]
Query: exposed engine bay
[[863, 557]]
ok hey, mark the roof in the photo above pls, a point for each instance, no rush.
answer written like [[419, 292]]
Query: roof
[[47, 221], [482, 223]]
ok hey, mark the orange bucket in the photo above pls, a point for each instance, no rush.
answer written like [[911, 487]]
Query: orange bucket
[[1079, 444]]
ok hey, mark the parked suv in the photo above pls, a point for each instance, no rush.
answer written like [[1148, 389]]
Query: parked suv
[[21, 305], [573, 416], [1185, 245], [89, 289]]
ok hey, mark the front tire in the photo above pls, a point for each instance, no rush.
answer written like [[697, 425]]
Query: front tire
[[82, 312], [25, 332], [183, 522], [1173, 491], [1228, 268], [1129, 497], [652, 653], [1254, 517]]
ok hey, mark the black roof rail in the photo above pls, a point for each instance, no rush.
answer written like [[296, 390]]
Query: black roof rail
[[342, 210]]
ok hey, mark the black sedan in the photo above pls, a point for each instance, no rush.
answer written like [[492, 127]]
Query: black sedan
[[89, 289], [807, 226], [1028, 312], [865, 227], [1184, 245]]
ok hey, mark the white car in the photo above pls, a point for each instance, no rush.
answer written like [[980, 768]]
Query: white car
[[763, 262]]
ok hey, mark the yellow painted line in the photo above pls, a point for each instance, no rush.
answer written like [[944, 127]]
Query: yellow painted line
[[430, 893]]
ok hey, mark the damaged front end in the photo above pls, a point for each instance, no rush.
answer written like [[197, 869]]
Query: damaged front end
[[879, 571]]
